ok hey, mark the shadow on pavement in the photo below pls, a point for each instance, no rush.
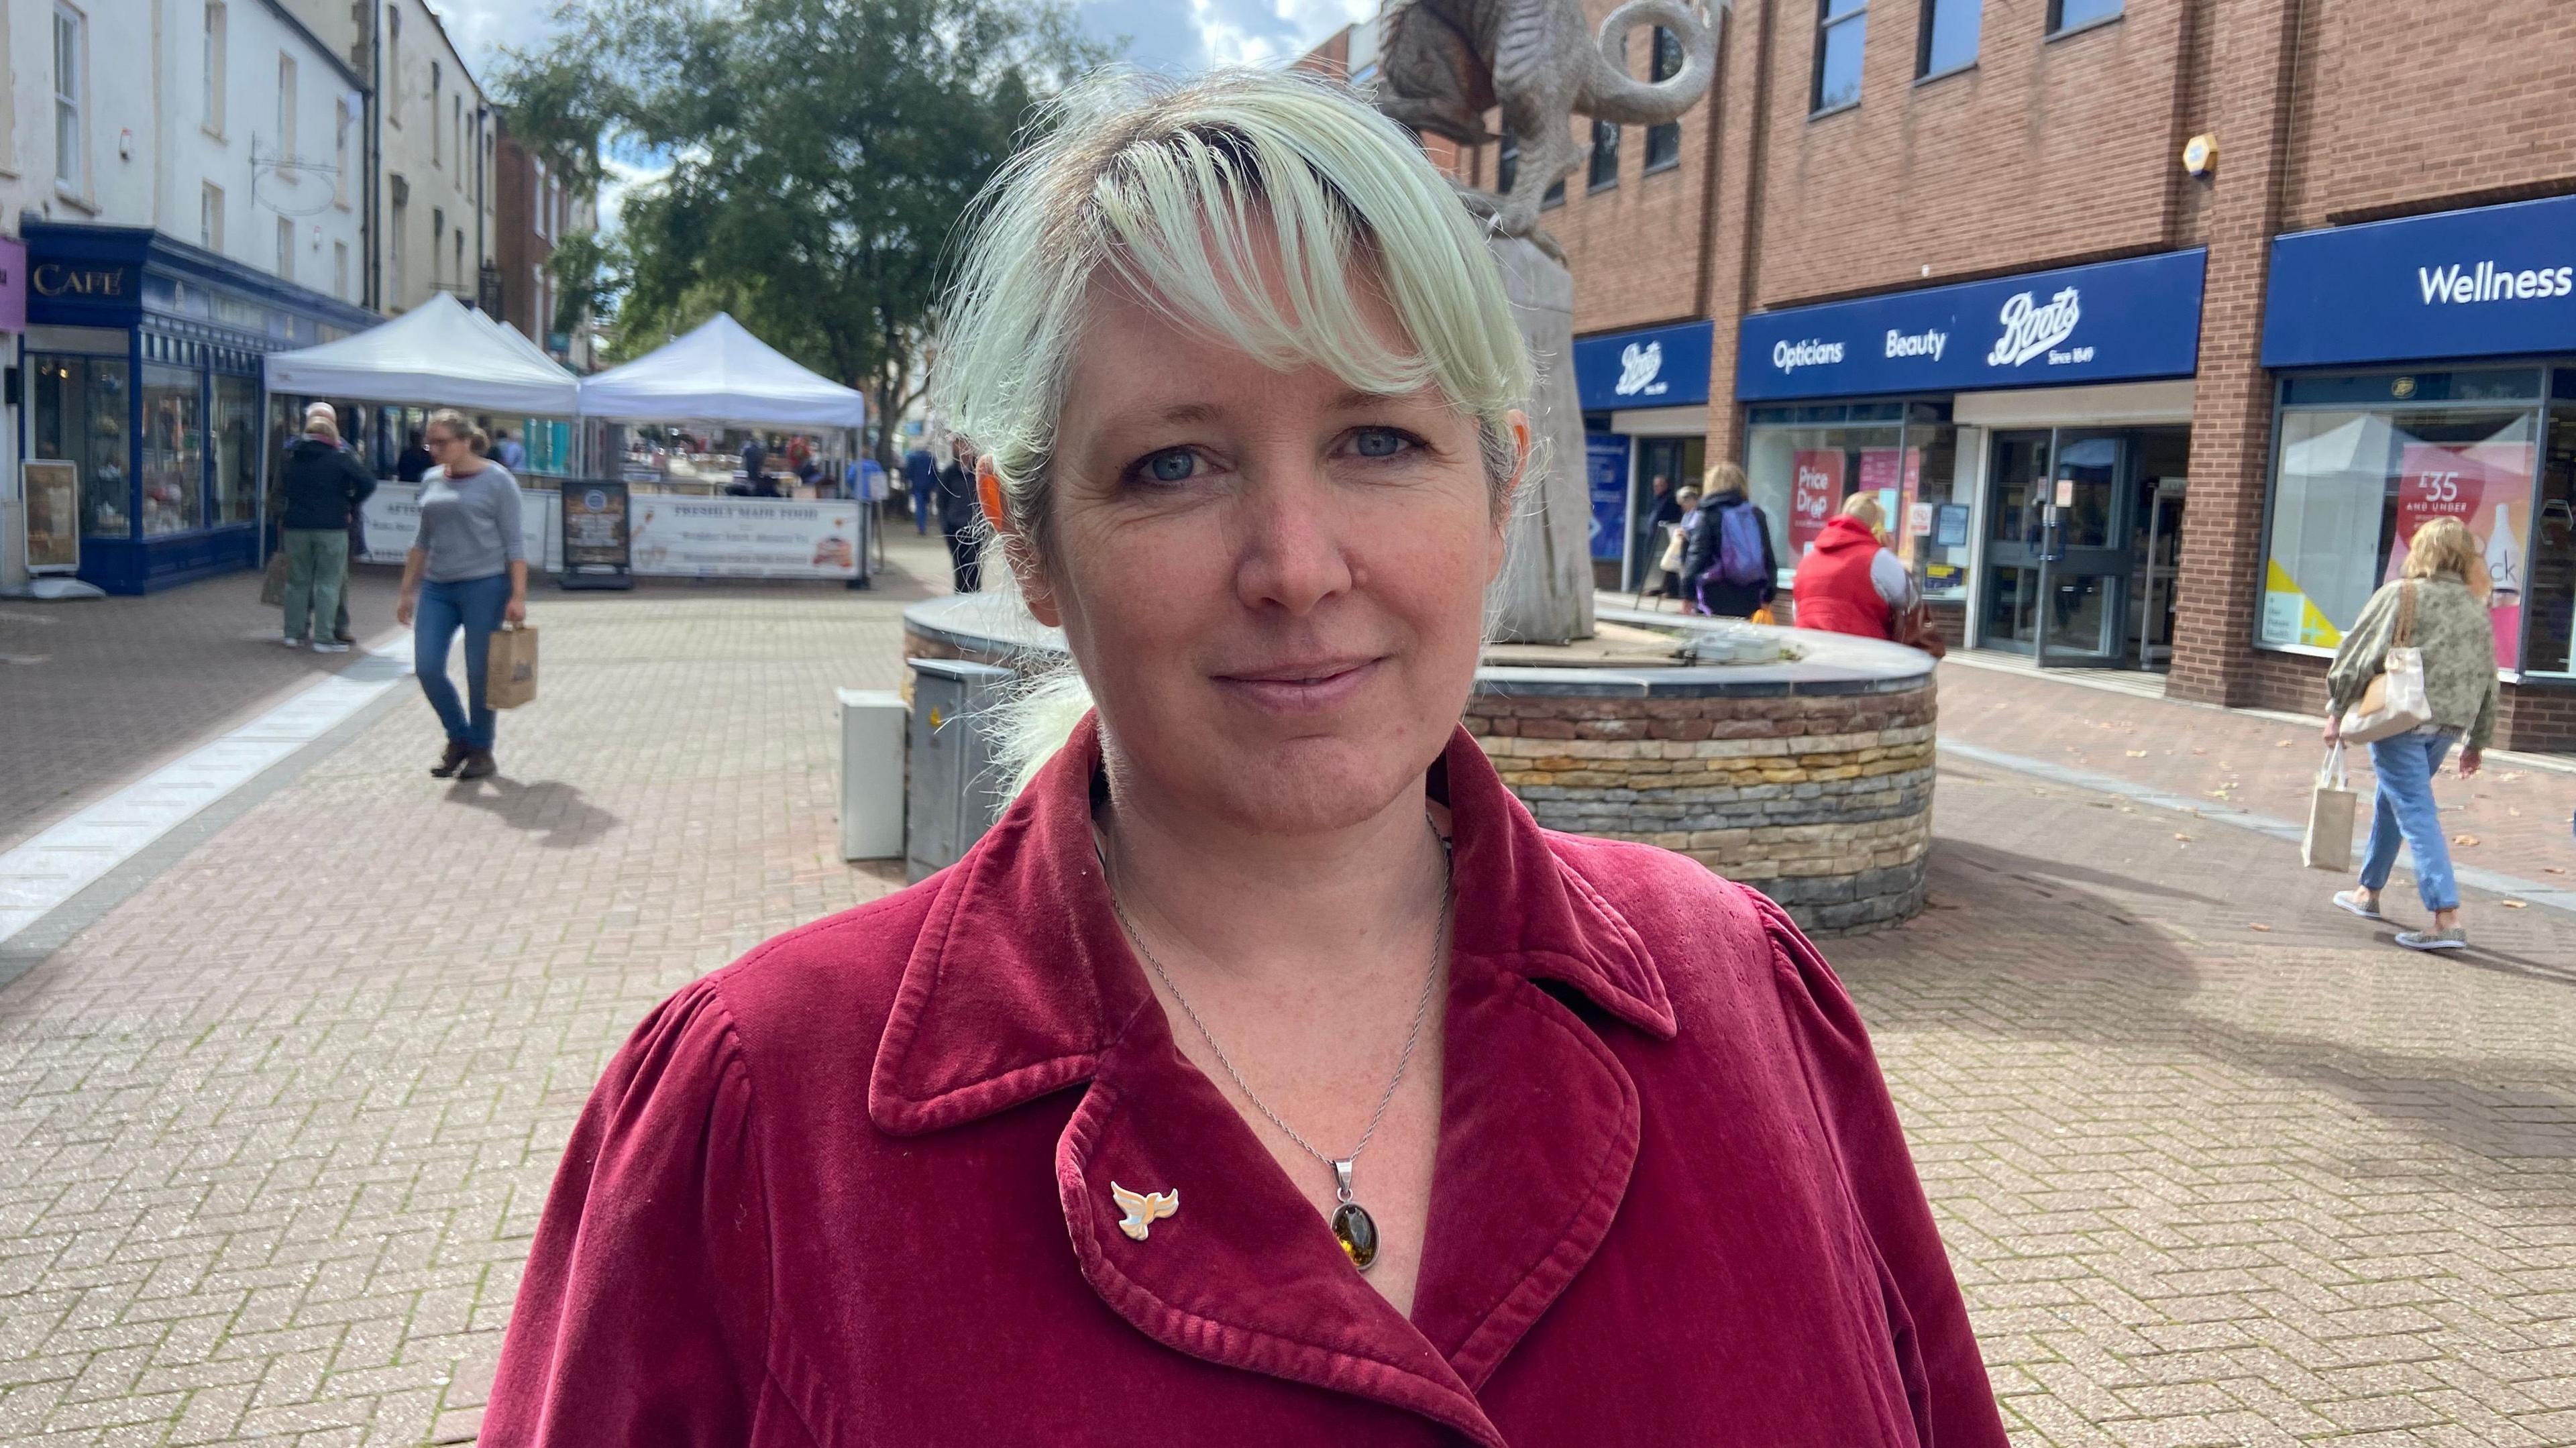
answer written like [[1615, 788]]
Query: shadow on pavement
[[556, 813]]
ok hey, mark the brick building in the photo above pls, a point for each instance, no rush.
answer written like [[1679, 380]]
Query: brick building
[[538, 206], [2156, 323]]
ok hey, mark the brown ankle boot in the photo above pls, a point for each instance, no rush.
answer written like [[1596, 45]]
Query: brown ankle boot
[[448, 763], [478, 765]]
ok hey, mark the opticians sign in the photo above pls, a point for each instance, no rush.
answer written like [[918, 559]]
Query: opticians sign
[[2492, 281], [2112, 322]]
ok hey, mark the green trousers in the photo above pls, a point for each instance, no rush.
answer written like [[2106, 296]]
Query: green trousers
[[317, 568]]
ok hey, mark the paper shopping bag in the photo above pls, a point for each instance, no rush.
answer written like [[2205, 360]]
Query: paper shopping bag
[[510, 668], [2330, 816]]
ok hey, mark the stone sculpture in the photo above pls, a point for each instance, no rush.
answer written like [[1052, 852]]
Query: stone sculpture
[[1541, 64]]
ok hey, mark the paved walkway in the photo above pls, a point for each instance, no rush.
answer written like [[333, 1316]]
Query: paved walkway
[[2215, 1164]]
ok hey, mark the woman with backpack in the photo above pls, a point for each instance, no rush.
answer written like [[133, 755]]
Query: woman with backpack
[[1730, 564]]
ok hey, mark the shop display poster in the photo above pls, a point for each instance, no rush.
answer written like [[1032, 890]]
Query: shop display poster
[[1605, 461], [1815, 487], [53, 515], [594, 529], [2487, 486]]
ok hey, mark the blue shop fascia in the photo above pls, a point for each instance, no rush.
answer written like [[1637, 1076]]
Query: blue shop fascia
[[142, 359]]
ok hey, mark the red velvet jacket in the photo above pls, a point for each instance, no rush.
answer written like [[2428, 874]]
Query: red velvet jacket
[[855, 1189], [1831, 588]]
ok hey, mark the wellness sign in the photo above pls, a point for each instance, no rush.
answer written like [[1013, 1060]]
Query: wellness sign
[[2495, 281], [2112, 322]]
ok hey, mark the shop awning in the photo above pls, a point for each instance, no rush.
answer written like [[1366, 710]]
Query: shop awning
[[723, 375], [438, 354]]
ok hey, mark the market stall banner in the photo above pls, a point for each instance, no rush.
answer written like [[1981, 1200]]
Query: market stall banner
[[2491, 281], [2486, 485], [1605, 457], [745, 538], [390, 521], [2114, 321], [1815, 487]]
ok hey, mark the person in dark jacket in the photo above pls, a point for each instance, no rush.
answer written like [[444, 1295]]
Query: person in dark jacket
[[325, 484], [959, 512], [920, 484], [1702, 559], [414, 462]]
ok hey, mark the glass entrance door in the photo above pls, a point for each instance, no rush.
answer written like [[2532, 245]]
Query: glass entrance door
[[2058, 555]]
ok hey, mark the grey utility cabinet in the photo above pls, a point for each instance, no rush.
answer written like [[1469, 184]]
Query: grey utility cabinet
[[955, 792]]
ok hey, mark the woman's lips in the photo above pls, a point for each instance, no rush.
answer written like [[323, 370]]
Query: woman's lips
[[1302, 688]]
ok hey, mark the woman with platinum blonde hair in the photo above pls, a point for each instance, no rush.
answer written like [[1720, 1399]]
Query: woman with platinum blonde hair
[[1265, 1075]]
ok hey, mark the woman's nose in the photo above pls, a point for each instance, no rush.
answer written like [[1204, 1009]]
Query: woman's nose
[[1290, 549]]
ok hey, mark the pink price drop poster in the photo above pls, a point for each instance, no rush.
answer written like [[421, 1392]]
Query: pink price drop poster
[[1815, 488], [2487, 486]]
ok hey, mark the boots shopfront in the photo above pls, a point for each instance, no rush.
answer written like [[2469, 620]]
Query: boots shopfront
[[2426, 367], [2026, 438]]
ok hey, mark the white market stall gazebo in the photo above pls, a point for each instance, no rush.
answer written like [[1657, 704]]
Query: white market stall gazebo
[[724, 375], [438, 354]]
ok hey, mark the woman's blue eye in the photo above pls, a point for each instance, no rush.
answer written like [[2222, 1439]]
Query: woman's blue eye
[[1171, 467], [1378, 442]]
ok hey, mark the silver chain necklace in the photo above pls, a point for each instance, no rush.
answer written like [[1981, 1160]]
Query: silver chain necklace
[[1353, 1227]]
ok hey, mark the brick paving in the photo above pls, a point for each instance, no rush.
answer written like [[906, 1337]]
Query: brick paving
[[274, 1132], [2515, 814]]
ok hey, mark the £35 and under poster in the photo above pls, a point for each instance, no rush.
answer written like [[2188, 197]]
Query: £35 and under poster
[[2487, 486]]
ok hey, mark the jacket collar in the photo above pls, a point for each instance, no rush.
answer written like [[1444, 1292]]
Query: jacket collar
[[1020, 979]]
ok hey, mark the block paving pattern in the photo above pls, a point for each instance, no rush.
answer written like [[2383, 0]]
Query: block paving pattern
[[275, 1132]]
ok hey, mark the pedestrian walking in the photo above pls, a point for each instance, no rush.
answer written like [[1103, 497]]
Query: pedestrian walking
[[921, 486], [1663, 514], [507, 452], [1849, 582], [1265, 1073], [414, 461], [1673, 566], [467, 572], [324, 486], [961, 518], [2438, 607], [1733, 572]]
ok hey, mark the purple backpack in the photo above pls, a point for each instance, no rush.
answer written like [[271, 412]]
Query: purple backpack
[[1739, 544]]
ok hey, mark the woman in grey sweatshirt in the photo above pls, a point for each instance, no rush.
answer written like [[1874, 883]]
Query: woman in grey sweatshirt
[[467, 572]]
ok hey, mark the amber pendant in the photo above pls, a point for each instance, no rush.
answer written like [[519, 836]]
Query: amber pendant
[[1357, 1232]]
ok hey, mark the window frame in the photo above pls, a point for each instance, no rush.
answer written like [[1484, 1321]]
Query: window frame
[[2058, 29], [1594, 181], [71, 97], [215, 46], [1670, 132], [343, 119], [286, 248], [210, 217], [289, 101], [1826, 24], [437, 136], [392, 80], [1924, 74]]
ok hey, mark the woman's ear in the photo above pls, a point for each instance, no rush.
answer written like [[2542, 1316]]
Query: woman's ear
[[1026, 569], [1504, 506]]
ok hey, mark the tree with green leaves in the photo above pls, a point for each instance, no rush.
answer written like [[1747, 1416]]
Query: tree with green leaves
[[821, 154]]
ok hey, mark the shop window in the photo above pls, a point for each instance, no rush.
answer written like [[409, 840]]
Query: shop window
[[1841, 26], [2552, 593], [236, 449], [174, 456], [1798, 476], [1948, 36], [80, 419], [1604, 172], [2352, 484], [2065, 15], [1664, 142]]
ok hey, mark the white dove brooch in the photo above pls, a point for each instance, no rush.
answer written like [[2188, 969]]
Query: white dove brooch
[[1143, 1209]]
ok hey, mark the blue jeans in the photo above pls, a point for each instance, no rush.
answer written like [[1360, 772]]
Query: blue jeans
[[2405, 811], [474, 605]]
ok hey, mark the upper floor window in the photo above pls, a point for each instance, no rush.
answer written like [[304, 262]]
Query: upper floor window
[[210, 217], [1604, 171], [1840, 27], [537, 193], [1949, 36], [1664, 142], [344, 119], [437, 148], [212, 56], [456, 104], [2076, 14], [285, 249], [392, 81], [71, 94], [437, 246], [286, 108]]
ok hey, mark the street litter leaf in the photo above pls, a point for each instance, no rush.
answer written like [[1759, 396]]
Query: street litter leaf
[[2515, 904], [2181, 836], [2464, 839], [2137, 754], [2280, 743], [2554, 869], [2266, 929]]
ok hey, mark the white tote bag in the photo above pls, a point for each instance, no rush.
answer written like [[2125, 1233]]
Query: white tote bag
[[2395, 701], [2331, 810]]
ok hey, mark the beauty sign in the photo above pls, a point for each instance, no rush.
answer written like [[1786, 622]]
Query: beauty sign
[[2488, 487], [1815, 486]]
